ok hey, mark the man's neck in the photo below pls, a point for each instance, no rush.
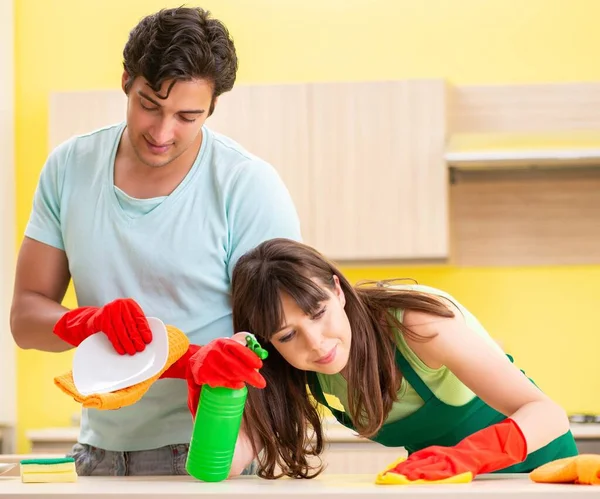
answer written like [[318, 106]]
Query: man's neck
[[141, 181]]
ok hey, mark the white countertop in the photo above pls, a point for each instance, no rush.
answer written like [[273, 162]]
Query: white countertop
[[585, 430], [330, 487]]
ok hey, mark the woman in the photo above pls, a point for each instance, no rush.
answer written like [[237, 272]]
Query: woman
[[409, 364]]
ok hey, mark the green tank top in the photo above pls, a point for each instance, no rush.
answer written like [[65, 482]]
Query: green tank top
[[432, 421], [442, 382]]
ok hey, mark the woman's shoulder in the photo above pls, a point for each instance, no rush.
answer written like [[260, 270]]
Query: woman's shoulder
[[422, 288], [429, 327], [414, 317]]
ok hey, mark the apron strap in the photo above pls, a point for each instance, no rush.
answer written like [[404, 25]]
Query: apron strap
[[406, 369], [415, 380], [315, 388], [412, 378]]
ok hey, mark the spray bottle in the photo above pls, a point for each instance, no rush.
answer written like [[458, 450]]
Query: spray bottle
[[217, 426]]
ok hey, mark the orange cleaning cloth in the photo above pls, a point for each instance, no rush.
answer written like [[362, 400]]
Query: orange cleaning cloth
[[388, 477], [178, 345], [583, 469]]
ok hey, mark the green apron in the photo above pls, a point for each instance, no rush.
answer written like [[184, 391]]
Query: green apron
[[437, 423]]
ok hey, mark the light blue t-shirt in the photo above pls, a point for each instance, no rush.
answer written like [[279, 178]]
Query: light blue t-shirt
[[174, 255]]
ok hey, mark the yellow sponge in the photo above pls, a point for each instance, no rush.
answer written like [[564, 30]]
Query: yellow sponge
[[388, 477], [51, 470]]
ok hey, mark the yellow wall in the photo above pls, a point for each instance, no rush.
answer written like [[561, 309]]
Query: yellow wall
[[545, 316]]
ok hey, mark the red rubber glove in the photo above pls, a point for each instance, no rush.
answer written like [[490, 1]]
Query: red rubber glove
[[491, 449], [181, 369], [222, 362], [121, 320]]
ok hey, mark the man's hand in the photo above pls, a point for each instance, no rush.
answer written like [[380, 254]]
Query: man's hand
[[122, 321]]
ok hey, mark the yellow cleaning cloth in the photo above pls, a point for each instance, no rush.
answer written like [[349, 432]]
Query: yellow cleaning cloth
[[583, 469], [388, 477], [54, 470], [178, 345]]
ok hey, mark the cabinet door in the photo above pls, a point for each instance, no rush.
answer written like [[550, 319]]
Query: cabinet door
[[378, 172], [74, 113], [271, 121]]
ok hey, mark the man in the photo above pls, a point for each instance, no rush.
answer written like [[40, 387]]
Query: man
[[148, 218]]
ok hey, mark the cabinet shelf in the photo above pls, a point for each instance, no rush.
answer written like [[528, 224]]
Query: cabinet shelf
[[493, 151]]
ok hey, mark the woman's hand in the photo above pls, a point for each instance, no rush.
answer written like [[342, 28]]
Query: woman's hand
[[490, 449], [484, 368], [225, 362]]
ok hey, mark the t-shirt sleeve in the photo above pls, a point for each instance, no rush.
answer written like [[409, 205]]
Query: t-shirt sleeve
[[44, 223], [260, 208]]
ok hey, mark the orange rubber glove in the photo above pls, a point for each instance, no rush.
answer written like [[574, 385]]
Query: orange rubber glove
[[490, 449], [121, 320], [222, 362], [180, 369], [583, 469]]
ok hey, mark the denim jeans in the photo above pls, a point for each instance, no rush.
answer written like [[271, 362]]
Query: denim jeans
[[168, 460]]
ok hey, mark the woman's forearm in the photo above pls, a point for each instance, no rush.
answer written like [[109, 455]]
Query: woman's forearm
[[243, 454], [541, 422]]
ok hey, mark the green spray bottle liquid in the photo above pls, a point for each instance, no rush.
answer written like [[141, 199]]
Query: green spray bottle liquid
[[216, 427]]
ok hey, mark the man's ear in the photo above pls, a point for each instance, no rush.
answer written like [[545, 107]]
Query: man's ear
[[124, 80], [213, 104]]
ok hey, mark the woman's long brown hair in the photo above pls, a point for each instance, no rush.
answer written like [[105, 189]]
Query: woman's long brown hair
[[282, 418]]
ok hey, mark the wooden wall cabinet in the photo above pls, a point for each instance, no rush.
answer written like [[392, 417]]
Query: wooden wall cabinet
[[378, 169], [74, 113], [272, 122], [525, 180], [415, 170], [363, 161]]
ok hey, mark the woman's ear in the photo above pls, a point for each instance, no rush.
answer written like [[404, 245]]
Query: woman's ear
[[338, 291]]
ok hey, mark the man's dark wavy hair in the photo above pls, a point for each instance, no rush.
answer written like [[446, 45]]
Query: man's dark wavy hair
[[182, 43]]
